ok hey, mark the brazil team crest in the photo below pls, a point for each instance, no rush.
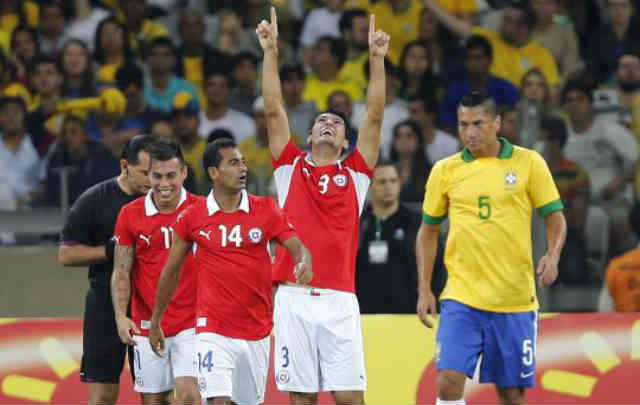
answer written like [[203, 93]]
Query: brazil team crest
[[511, 178], [255, 235]]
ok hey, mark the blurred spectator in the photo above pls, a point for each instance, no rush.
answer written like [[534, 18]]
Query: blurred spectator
[[161, 85], [10, 87], [244, 71], [608, 152], [186, 123], [231, 36], [442, 47], [621, 291], [415, 72], [399, 19], [163, 130], [219, 114], [617, 104], [478, 56], [320, 22], [20, 164], [409, 156], [301, 113], [534, 104], [52, 27], [138, 115], [610, 40], [25, 49], [111, 49], [438, 144], [141, 29], [354, 31], [77, 70], [386, 278], [44, 122], [84, 26], [395, 110], [514, 52], [559, 39], [573, 185], [194, 53], [88, 161], [327, 58], [340, 100], [510, 124]]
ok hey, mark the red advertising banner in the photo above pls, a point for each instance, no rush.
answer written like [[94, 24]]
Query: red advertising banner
[[581, 358]]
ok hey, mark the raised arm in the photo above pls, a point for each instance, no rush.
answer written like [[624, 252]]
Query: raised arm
[[369, 134], [277, 122], [303, 271], [426, 250], [167, 284], [459, 26], [121, 291]]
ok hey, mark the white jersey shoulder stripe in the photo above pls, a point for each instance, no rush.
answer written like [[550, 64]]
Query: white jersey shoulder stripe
[[361, 182], [283, 176]]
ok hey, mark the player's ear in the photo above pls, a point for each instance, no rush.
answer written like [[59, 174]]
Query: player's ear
[[212, 172], [497, 122], [123, 165]]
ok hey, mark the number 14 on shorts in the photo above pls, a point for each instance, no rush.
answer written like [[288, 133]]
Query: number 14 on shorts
[[205, 361]]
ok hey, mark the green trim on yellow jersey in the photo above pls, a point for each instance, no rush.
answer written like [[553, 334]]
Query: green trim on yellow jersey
[[428, 219], [506, 151], [550, 208]]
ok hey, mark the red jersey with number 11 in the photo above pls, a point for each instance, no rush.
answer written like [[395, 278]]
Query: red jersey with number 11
[[140, 224]]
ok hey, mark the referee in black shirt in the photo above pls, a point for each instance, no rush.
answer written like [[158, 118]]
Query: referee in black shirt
[[87, 241]]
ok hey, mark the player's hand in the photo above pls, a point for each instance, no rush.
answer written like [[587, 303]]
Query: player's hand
[[125, 328], [547, 270], [426, 306], [303, 273], [268, 33], [378, 40], [156, 339]]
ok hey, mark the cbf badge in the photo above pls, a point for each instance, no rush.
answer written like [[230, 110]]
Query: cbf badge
[[510, 179], [378, 251]]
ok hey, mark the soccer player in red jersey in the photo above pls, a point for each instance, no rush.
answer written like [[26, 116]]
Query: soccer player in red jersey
[[144, 236], [231, 230], [317, 328]]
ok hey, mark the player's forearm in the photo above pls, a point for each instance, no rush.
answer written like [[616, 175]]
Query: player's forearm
[[121, 279], [299, 253], [426, 250], [460, 27], [271, 89], [376, 90], [556, 234], [167, 285], [80, 255]]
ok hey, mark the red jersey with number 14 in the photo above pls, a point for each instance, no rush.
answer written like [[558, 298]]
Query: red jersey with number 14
[[324, 204], [234, 266], [140, 224]]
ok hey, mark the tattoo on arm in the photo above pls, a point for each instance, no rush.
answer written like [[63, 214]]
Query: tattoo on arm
[[121, 280]]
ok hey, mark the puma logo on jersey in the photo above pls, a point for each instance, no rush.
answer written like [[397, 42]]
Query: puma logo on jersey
[[146, 239], [205, 234], [116, 239]]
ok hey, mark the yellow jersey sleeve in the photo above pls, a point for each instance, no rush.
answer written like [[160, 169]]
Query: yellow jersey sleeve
[[436, 203], [542, 189]]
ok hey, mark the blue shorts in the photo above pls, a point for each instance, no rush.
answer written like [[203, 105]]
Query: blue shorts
[[507, 342]]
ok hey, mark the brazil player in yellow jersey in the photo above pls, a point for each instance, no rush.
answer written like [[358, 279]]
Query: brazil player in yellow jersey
[[488, 306]]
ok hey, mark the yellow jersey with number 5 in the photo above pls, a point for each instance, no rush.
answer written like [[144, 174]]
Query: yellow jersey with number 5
[[489, 202]]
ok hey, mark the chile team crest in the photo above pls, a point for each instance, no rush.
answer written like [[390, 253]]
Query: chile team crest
[[340, 180], [255, 235]]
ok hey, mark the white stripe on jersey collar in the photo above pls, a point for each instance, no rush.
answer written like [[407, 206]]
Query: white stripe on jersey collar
[[213, 207], [309, 160], [150, 208]]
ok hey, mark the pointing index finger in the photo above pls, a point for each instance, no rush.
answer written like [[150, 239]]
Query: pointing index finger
[[372, 25], [274, 17]]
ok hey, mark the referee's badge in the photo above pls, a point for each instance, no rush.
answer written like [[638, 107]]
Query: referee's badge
[[255, 234]]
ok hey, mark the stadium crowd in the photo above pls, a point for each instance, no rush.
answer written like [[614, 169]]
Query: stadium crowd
[[564, 73]]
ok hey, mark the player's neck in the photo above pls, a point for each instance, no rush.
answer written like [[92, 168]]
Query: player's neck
[[384, 211], [228, 201], [124, 185], [324, 155]]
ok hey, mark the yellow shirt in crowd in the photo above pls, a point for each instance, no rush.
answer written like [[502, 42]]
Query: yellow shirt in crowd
[[319, 91], [401, 27]]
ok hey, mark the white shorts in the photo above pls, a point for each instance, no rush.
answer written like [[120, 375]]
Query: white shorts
[[233, 368], [318, 341], [155, 374]]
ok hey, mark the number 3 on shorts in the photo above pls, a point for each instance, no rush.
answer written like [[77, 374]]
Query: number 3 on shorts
[[285, 357], [527, 352], [205, 361]]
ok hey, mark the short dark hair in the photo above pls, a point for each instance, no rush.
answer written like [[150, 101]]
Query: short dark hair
[[241, 57], [580, 84], [556, 130], [334, 111], [69, 118], [479, 42], [478, 98], [164, 151], [212, 156], [214, 69], [337, 48], [46, 60], [288, 70], [429, 101], [128, 74], [160, 41], [219, 133], [135, 145], [529, 18], [389, 68], [347, 17]]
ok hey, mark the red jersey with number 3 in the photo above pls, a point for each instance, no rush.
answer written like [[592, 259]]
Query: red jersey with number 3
[[140, 224], [324, 205], [234, 266]]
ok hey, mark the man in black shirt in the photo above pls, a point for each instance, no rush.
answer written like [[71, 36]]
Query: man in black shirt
[[87, 241]]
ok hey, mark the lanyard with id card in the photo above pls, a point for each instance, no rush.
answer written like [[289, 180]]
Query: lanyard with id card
[[378, 249]]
